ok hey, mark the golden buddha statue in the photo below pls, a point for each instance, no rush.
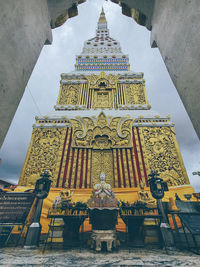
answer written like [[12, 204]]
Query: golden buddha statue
[[143, 196], [64, 196]]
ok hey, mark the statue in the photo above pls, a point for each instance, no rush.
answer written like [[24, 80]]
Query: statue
[[103, 189], [43, 185], [66, 195], [102, 195], [103, 212], [144, 196], [64, 198]]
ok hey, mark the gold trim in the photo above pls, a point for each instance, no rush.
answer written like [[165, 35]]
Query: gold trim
[[147, 167], [145, 94], [65, 155], [89, 178], [79, 169], [139, 156], [120, 168], [74, 168], [84, 167], [180, 156], [21, 179], [130, 167], [68, 169], [125, 167], [115, 168], [59, 94]]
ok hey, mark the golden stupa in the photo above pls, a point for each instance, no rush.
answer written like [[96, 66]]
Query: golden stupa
[[103, 123]]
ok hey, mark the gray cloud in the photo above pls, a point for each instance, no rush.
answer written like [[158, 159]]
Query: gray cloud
[[60, 58]]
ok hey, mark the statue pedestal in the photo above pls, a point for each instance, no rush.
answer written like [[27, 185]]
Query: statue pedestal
[[100, 236], [134, 219], [103, 218], [103, 222], [103, 212], [72, 225]]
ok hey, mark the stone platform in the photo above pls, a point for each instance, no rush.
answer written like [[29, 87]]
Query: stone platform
[[134, 257]]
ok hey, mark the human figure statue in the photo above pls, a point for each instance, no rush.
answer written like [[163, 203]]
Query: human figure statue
[[103, 189], [102, 195], [144, 195], [65, 196]]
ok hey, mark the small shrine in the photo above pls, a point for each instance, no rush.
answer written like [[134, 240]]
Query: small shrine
[[103, 213]]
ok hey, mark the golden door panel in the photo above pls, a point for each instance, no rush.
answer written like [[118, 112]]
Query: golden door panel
[[102, 99], [102, 161]]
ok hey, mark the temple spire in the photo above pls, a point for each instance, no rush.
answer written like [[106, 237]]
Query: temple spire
[[102, 23], [102, 53]]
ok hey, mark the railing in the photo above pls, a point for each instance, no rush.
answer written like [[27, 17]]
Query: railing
[[138, 211], [68, 212]]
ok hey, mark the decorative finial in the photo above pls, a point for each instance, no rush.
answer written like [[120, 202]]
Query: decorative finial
[[102, 18]]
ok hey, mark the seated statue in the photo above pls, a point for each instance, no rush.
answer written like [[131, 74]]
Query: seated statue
[[102, 195], [102, 189], [64, 197], [143, 196]]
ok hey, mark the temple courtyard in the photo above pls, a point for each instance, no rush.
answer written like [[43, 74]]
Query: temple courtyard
[[76, 257]]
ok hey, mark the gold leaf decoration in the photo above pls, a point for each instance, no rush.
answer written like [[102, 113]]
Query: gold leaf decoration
[[101, 134], [44, 153], [163, 155]]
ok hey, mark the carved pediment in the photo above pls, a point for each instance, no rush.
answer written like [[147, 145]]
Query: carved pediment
[[102, 80], [102, 132]]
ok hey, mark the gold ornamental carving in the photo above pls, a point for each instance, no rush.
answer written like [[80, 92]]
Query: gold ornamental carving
[[102, 80], [162, 153], [135, 94], [69, 94], [103, 89], [44, 153], [102, 99], [102, 161], [102, 132]]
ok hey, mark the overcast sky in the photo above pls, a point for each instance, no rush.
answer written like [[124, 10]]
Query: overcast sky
[[60, 58]]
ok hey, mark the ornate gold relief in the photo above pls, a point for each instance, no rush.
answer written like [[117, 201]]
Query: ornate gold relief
[[162, 154], [102, 161], [135, 94], [102, 133], [44, 153], [102, 120], [102, 80], [102, 99], [69, 94], [103, 90]]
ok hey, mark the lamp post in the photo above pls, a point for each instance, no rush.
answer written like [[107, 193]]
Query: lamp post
[[42, 188], [196, 173], [157, 188]]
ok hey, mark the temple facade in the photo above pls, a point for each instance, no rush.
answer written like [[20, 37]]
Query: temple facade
[[103, 122]]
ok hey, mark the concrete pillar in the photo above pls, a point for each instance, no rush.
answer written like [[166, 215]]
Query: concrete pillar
[[25, 28], [174, 26], [175, 30]]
